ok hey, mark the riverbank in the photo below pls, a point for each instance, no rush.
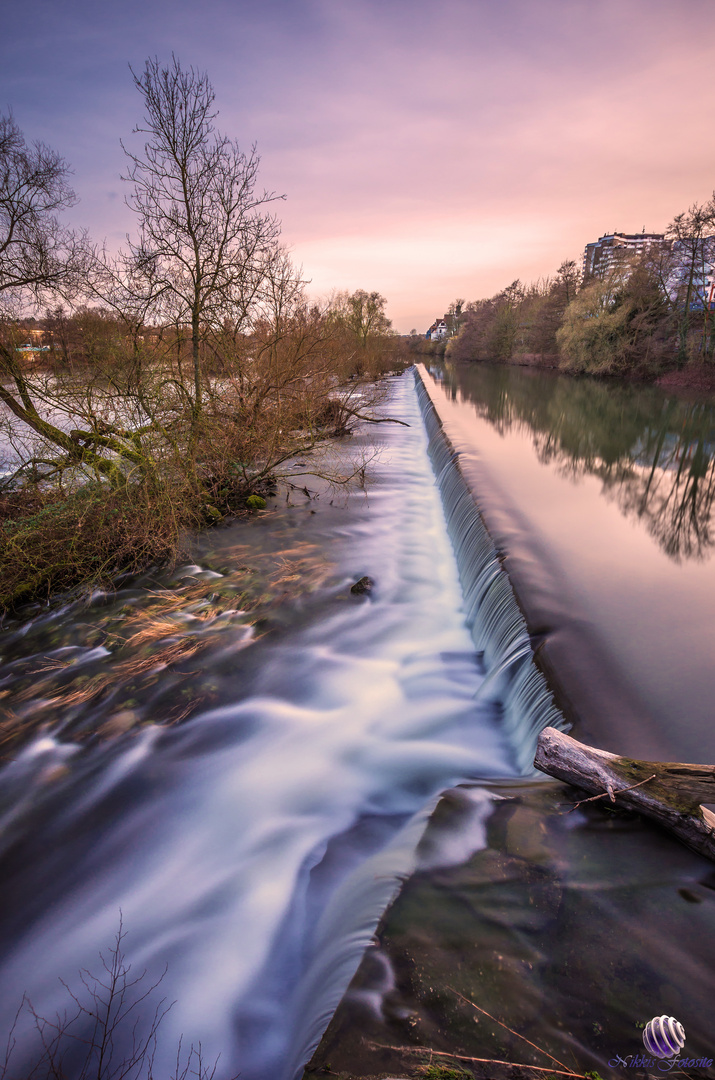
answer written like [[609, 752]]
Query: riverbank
[[693, 380], [71, 519]]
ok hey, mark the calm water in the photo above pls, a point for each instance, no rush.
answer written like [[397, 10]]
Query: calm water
[[601, 498]]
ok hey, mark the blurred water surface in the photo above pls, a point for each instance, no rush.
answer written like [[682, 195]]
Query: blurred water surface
[[252, 844]]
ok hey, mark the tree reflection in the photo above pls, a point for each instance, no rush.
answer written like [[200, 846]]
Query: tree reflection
[[654, 455]]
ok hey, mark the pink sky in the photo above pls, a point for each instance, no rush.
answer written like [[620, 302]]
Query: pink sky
[[427, 150]]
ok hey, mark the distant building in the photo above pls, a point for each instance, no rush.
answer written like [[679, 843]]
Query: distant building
[[443, 328], [601, 256], [691, 263], [437, 331]]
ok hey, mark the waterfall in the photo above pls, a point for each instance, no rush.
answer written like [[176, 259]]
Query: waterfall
[[494, 618]]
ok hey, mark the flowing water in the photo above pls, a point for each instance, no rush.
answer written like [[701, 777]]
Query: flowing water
[[250, 848], [574, 926], [241, 758]]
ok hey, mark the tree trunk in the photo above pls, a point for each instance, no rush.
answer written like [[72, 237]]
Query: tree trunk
[[685, 321], [196, 357], [667, 792]]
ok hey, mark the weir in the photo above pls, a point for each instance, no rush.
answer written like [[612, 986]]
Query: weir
[[494, 617]]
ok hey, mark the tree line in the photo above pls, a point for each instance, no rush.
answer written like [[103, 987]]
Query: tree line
[[168, 383], [643, 316]]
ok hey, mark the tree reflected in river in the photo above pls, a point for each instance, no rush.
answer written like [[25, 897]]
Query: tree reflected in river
[[654, 454]]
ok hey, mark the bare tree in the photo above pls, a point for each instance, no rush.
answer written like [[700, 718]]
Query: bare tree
[[568, 279], [692, 253], [369, 344], [205, 237], [201, 372], [39, 257], [362, 314], [37, 253]]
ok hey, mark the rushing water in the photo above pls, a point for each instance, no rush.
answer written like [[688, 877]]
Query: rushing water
[[252, 848], [252, 845], [600, 498], [573, 926]]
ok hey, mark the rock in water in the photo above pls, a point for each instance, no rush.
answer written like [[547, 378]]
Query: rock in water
[[364, 585]]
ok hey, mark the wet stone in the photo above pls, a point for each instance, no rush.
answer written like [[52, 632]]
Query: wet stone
[[120, 722], [363, 587]]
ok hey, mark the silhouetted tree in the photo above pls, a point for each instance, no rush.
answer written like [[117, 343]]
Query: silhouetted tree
[[205, 240], [691, 255], [37, 252]]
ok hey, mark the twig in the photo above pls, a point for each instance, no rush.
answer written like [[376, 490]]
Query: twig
[[468, 1001], [463, 1057], [611, 793], [372, 419]]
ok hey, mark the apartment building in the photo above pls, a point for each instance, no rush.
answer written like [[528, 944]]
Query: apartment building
[[602, 255], [689, 269], [693, 272]]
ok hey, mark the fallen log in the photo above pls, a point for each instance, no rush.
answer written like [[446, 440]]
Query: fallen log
[[668, 792]]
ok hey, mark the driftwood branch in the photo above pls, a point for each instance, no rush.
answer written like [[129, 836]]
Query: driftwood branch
[[668, 792], [463, 1057], [468, 1001]]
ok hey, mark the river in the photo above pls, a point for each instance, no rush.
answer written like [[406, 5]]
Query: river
[[601, 498], [251, 846], [250, 849], [571, 926]]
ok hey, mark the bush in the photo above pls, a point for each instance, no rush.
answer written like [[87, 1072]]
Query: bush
[[617, 324], [87, 536]]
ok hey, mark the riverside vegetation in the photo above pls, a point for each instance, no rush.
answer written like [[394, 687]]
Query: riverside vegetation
[[174, 380], [643, 318]]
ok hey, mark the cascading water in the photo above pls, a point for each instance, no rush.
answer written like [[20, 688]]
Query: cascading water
[[493, 615], [252, 850]]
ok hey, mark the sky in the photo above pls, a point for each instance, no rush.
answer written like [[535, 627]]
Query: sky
[[428, 150]]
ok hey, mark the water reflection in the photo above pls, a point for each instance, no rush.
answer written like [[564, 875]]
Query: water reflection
[[655, 455]]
